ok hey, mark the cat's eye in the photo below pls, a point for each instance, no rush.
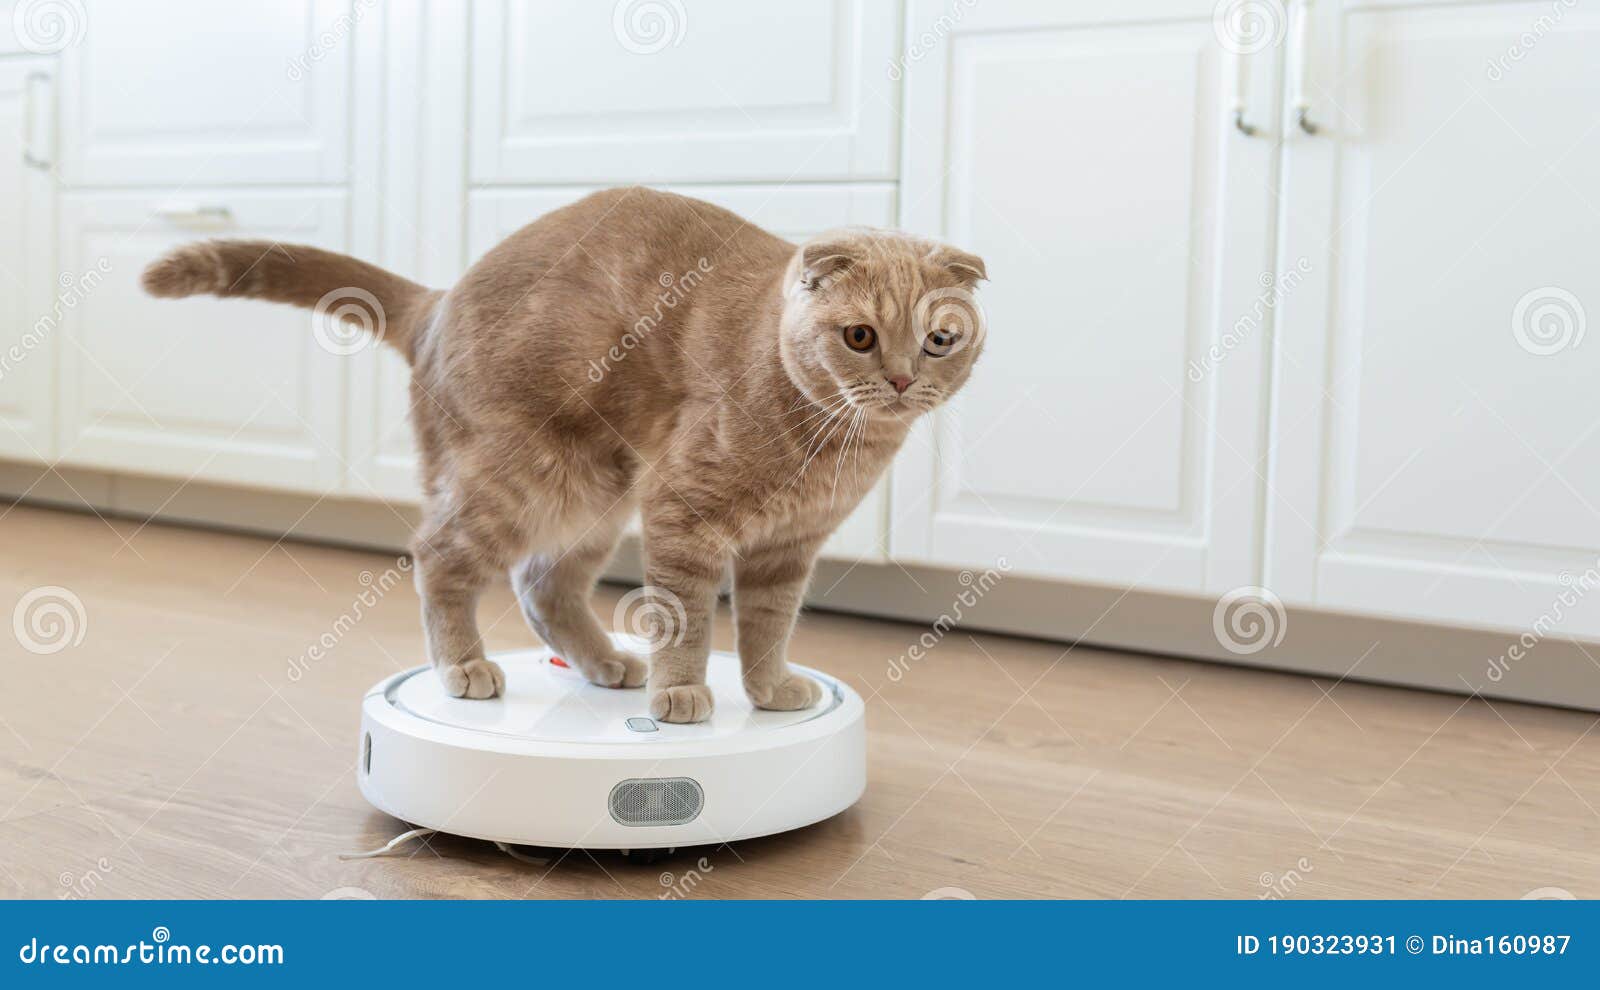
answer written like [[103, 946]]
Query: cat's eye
[[939, 343], [860, 338]]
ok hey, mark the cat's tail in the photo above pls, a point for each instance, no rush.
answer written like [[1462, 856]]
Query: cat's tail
[[338, 287]]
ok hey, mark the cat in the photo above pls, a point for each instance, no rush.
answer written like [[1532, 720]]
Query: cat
[[642, 350]]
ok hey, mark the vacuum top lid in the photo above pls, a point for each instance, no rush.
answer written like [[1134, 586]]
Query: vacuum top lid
[[547, 700]]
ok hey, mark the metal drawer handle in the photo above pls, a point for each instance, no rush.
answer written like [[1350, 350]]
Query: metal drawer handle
[[1302, 102], [208, 212]]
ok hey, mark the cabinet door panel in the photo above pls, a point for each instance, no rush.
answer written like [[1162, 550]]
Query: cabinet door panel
[[204, 92], [32, 297], [1439, 450], [720, 90], [221, 390], [1126, 242]]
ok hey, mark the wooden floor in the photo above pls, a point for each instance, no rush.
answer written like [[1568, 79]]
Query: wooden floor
[[169, 753]]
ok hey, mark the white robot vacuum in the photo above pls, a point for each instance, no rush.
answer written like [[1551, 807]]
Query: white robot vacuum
[[562, 763]]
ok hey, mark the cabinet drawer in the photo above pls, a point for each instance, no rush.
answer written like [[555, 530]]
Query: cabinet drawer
[[224, 390], [205, 92], [658, 92]]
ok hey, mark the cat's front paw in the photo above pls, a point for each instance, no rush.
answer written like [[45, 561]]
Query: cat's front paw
[[474, 679], [792, 693], [617, 669], [683, 703]]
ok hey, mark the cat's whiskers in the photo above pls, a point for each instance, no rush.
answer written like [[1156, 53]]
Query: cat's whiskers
[[827, 406]]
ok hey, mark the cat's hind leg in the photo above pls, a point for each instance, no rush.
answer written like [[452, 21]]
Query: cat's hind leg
[[554, 589]]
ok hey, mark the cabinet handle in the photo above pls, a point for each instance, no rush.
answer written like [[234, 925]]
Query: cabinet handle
[[1302, 35], [191, 212], [1241, 86], [28, 157]]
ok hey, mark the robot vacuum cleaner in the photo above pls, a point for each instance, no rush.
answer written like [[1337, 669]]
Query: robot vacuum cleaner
[[562, 763]]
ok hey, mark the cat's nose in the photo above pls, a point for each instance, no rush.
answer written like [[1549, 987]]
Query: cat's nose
[[900, 382]]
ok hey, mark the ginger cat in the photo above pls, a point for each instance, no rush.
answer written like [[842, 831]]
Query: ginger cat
[[639, 349]]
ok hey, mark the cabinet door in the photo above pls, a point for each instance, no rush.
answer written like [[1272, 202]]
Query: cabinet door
[[212, 389], [716, 90], [196, 91], [32, 300], [1112, 430], [1438, 446]]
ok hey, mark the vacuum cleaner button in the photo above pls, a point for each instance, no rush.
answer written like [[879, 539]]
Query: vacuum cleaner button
[[639, 723]]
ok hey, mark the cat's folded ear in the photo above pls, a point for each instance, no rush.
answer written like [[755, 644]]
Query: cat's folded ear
[[821, 262], [969, 268]]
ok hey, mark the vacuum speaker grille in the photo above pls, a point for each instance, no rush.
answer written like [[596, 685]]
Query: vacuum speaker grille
[[658, 801]]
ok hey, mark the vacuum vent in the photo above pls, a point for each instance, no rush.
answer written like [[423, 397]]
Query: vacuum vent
[[660, 801]]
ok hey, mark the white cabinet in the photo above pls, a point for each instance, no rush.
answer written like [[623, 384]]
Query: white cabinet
[[198, 92], [32, 300], [1437, 448], [1113, 429], [225, 390], [659, 92]]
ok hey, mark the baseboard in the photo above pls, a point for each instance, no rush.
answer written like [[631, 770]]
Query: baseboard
[[933, 601]]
